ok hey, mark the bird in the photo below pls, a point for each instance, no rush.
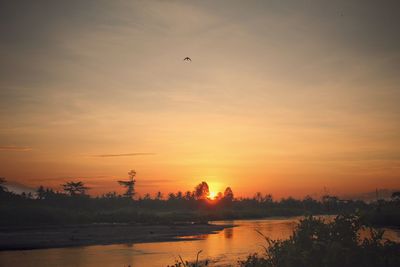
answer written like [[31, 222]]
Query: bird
[[187, 59]]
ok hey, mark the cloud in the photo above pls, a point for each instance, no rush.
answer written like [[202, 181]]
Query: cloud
[[15, 148], [123, 155]]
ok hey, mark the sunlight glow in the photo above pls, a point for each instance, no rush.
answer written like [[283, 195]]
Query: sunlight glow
[[212, 195]]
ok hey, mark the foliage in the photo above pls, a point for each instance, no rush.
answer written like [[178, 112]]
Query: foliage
[[228, 194], [197, 263], [396, 196], [73, 205], [129, 185], [71, 188], [316, 243], [3, 188], [202, 191]]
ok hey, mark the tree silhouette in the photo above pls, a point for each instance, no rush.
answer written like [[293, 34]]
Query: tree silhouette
[[189, 195], [129, 185], [202, 191], [171, 196], [159, 195], [396, 196], [228, 194], [3, 188], [258, 197], [75, 188], [41, 192]]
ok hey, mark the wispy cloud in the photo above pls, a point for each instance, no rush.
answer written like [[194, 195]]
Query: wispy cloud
[[123, 155], [15, 148]]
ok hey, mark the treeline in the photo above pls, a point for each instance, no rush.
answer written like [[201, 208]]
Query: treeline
[[74, 206]]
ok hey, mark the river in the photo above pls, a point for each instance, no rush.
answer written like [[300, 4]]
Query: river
[[224, 248]]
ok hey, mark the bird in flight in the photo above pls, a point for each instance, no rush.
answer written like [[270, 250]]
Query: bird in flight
[[187, 59]]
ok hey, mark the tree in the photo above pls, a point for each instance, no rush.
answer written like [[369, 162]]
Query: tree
[[3, 188], [75, 188], [396, 196], [189, 195], [268, 198], [129, 185], [110, 195], [41, 192], [330, 202], [219, 196], [171, 196], [159, 195], [201, 191], [228, 194], [259, 197]]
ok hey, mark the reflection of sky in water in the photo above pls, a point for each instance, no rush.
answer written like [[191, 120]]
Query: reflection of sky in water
[[225, 247]]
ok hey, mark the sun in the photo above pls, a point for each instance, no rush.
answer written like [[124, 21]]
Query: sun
[[212, 195]]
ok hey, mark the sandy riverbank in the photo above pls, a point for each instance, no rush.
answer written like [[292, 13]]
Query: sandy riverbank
[[84, 235]]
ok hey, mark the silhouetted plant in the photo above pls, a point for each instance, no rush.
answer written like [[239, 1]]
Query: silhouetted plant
[[159, 196], [75, 188], [3, 181], [316, 243], [41, 192], [396, 196], [202, 191], [129, 185], [228, 194], [197, 263]]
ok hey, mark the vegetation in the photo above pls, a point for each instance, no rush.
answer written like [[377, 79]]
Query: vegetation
[[129, 185], [316, 243], [197, 263], [74, 206]]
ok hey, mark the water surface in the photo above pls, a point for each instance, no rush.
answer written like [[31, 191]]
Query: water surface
[[225, 247]]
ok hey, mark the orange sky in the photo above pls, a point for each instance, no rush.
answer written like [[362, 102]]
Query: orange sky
[[283, 98]]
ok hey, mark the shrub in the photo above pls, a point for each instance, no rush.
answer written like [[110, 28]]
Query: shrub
[[316, 243]]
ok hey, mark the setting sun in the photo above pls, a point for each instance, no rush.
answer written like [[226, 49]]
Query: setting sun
[[212, 195]]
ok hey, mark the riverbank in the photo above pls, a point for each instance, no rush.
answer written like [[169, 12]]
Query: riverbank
[[98, 234]]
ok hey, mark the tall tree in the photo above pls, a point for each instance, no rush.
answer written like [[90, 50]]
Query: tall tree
[[75, 188], [228, 194], [202, 191], [129, 185]]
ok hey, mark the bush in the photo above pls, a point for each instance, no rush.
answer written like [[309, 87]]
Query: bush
[[316, 243]]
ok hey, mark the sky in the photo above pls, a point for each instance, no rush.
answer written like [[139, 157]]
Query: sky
[[284, 97]]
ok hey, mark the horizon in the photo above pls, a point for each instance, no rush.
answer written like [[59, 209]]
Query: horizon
[[380, 193], [291, 99]]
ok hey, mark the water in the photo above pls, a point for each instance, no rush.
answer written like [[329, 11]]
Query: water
[[225, 247]]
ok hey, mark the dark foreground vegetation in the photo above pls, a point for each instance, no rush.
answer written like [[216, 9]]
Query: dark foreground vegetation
[[316, 243], [74, 206]]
